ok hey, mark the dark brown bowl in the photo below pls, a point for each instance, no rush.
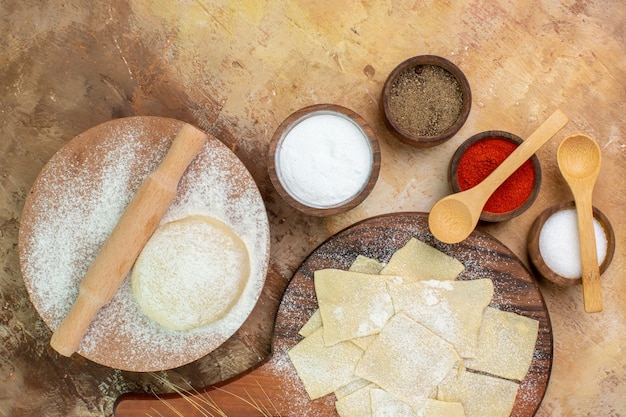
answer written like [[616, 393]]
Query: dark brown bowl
[[409, 65], [534, 253], [453, 180], [287, 125]]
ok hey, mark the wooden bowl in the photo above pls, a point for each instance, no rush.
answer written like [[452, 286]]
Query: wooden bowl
[[534, 253], [453, 180], [322, 205], [392, 120]]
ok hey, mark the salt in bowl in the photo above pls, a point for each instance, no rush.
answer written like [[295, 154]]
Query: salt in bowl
[[560, 245]]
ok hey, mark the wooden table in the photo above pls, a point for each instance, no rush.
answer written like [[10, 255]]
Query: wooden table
[[238, 71]]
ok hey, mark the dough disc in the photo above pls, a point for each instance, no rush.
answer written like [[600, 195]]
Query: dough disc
[[190, 273]]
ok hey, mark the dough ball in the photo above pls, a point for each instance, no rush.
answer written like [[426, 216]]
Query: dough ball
[[190, 273]]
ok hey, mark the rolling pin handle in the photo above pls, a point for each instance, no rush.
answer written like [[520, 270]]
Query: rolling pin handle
[[139, 220], [69, 335]]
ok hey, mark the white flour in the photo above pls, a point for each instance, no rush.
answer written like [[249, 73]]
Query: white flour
[[324, 160]]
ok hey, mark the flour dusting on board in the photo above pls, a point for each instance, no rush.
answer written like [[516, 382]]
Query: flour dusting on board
[[82, 195]]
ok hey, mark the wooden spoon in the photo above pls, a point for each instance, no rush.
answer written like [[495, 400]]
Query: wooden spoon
[[139, 220], [454, 217], [579, 160]]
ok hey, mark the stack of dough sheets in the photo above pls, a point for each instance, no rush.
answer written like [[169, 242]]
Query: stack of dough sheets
[[408, 339]]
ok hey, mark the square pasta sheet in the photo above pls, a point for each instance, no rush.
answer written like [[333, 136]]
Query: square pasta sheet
[[395, 339]]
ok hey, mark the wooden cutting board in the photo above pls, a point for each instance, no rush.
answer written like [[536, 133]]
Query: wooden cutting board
[[276, 384], [483, 256], [73, 206]]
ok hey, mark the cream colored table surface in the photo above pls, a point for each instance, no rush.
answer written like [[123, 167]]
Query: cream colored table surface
[[238, 69]]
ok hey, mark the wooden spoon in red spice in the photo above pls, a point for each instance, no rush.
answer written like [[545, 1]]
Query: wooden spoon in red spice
[[453, 218], [480, 159]]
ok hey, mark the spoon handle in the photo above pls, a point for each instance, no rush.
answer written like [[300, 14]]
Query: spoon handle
[[522, 153], [592, 295]]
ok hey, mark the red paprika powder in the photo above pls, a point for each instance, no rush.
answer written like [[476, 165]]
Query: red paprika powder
[[484, 156]]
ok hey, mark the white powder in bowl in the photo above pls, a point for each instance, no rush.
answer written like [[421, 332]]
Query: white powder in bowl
[[324, 160], [559, 243]]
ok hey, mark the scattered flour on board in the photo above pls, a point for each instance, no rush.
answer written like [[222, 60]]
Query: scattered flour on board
[[77, 210]]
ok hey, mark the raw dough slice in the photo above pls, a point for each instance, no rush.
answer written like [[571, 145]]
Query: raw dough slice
[[452, 310], [313, 323], [190, 273], [481, 395], [352, 304], [364, 342], [436, 408], [419, 261], [361, 264], [324, 369], [355, 404], [407, 360], [351, 387], [506, 344], [366, 265], [386, 405]]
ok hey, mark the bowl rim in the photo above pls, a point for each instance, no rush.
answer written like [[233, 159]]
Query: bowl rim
[[453, 181], [426, 141], [302, 114], [534, 253]]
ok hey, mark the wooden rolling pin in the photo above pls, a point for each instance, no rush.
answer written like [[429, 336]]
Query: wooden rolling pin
[[118, 254]]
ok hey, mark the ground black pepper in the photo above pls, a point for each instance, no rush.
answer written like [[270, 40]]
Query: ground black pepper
[[425, 100]]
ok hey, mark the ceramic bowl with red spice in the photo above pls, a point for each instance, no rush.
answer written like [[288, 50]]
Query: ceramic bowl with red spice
[[426, 100], [482, 153]]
